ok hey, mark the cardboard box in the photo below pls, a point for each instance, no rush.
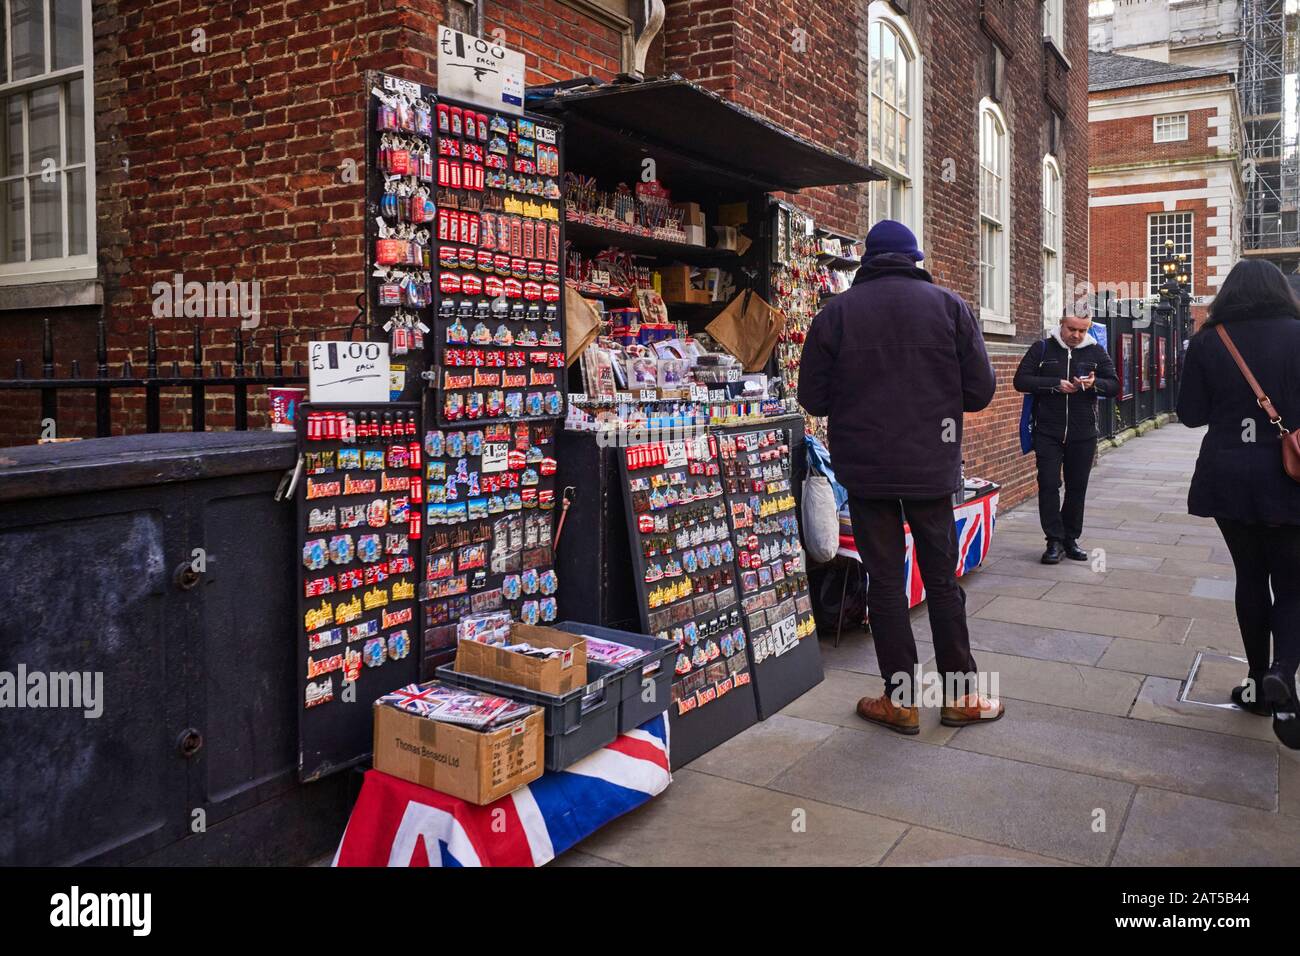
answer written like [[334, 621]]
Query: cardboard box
[[555, 675], [695, 234], [733, 214], [692, 214], [726, 237], [674, 282], [477, 766]]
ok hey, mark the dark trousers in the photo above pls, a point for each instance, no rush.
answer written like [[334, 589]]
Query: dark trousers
[[1063, 521], [878, 532], [1267, 562]]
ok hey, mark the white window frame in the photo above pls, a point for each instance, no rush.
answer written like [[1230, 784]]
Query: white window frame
[[909, 180], [1053, 241], [1161, 135], [82, 266], [1054, 22], [995, 268], [1156, 247]]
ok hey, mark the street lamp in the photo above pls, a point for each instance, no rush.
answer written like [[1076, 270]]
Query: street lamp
[[1175, 299]]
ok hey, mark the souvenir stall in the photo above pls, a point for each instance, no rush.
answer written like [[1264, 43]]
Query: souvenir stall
[[682, 453], [556, 517]]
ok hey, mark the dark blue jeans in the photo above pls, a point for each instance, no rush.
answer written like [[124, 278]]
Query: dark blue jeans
[[878, 532]]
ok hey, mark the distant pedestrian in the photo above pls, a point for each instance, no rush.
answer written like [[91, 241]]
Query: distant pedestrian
[[1065, 372], [894, 362], [1239, 479]]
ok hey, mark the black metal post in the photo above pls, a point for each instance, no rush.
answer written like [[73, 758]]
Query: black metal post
[[241, 390], [153, 417], [49, 396], [198, 392], [102, 393]]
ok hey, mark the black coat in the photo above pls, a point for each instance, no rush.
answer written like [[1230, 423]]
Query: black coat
[[894, 362], [1061, 415], [1236, 478]]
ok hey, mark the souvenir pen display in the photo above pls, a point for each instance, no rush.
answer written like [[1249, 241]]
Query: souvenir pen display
[[488, 540], [684, 560], [772, 569], [648, 211], [360, 500], [499, 321]]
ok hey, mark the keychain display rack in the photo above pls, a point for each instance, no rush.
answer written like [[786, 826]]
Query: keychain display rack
[[488, 539], [685, 572], [359, 517], [401, 213]]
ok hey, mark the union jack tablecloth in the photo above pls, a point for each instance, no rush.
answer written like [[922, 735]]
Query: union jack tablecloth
[[975, 521], [397, 823]]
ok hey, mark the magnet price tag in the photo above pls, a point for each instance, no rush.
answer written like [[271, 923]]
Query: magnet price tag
[[346, 372]]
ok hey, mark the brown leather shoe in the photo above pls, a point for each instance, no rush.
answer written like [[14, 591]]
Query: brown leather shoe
[[971, 709], [881, 710]]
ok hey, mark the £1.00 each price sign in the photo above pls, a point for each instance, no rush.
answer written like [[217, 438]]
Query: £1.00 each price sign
[[348, 372]]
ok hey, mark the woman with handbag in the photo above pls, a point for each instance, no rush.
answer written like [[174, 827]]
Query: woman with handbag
[[1241, 376]]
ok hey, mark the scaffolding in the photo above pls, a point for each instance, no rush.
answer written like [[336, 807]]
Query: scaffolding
[[1269, 89]]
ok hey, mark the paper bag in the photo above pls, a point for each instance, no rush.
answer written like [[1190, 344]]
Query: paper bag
[[748, 328], [581, 323]]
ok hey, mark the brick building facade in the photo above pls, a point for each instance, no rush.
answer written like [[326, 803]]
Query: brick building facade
[[1165, 164], [228, 140]]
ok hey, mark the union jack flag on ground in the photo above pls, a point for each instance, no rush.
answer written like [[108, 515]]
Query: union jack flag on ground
[[396, 823], [975, 521]]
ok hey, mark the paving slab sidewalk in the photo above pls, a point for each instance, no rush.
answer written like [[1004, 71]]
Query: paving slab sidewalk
[[1107, 754]]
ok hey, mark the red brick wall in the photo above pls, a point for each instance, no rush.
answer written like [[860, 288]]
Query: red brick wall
[[1119, 240], [812, 84], [1132, 140], [227, 164]]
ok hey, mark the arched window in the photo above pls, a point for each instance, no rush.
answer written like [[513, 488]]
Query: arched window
[[1053, 302], [995, 214], [894, 109]]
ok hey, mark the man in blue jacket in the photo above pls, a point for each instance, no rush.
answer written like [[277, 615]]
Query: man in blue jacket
[[894, 362]]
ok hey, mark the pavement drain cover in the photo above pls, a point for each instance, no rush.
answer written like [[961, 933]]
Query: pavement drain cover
[[1211, 680]]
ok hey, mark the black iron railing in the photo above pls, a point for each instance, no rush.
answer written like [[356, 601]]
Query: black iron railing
[[199, 376], [1135, 320]]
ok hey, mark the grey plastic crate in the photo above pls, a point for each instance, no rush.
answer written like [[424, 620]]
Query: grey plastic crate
[[655, 666], [577, 723]]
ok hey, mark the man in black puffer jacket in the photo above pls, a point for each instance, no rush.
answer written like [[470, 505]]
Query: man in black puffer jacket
[[1065, 373], [894, 362]]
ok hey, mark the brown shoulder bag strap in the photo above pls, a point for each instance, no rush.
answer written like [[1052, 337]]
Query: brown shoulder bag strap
[[1260, 398]]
